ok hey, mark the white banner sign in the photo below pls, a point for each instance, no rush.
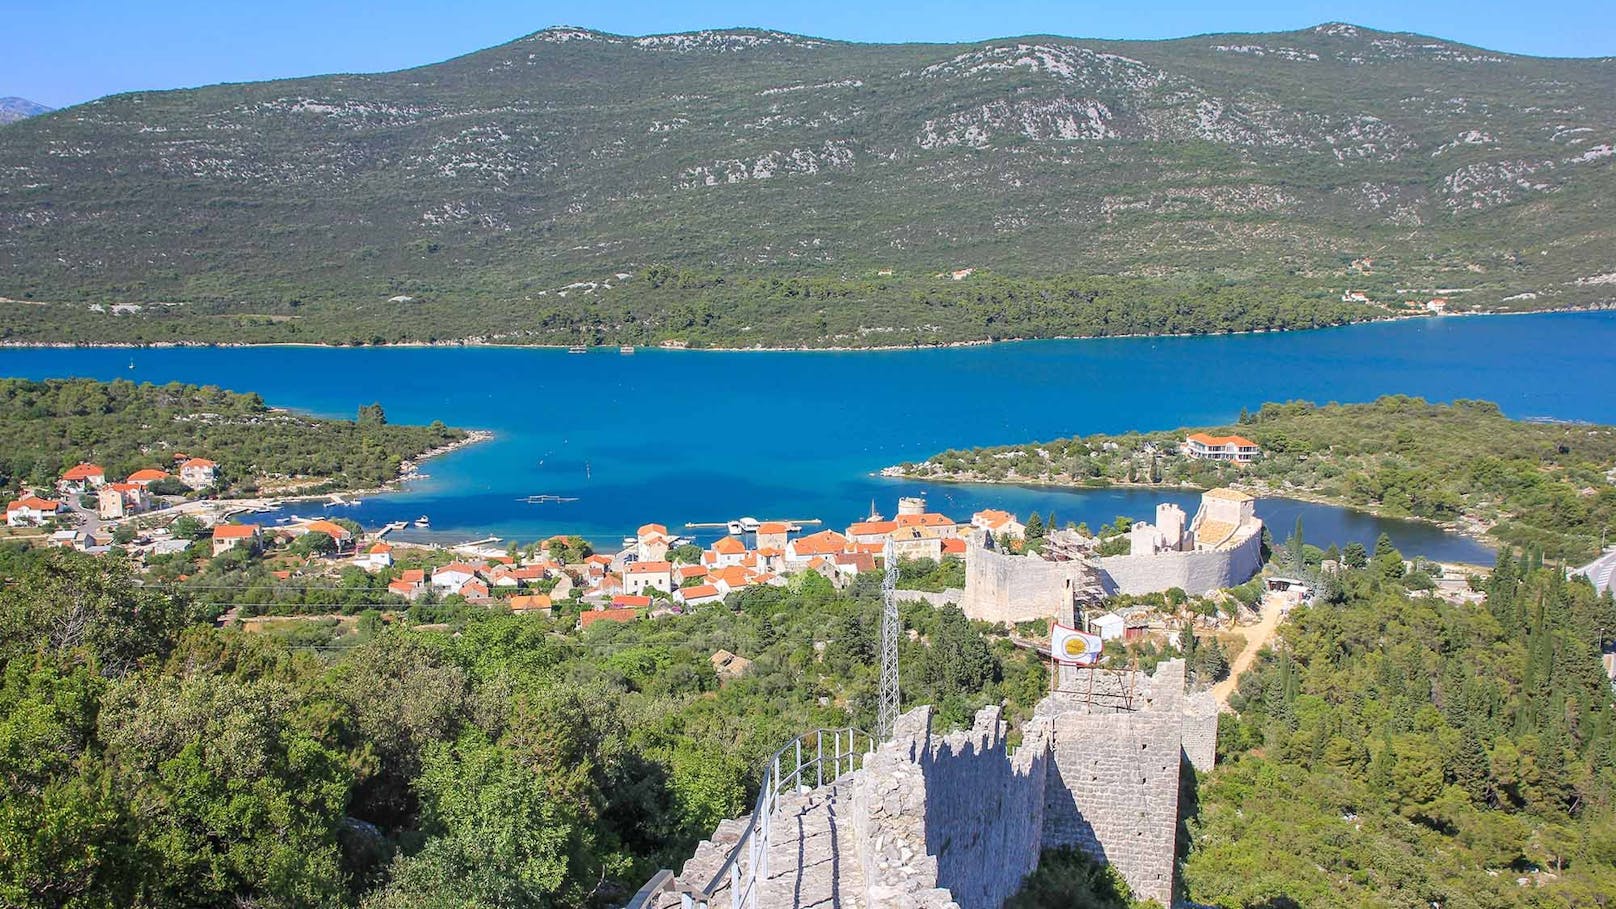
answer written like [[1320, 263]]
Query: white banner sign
[[1068, 645]]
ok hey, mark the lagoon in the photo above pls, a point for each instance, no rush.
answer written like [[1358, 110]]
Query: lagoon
[[677, 436]]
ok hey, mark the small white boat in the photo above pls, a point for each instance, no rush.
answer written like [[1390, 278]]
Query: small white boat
[[626, 349], [749, 525], [577, 348], [422, 521], [735, 528]]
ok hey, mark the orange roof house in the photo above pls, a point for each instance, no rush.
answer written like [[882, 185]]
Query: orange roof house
[[234, 531], [650, 530], [729, 546], [149, 475], [585, 619], [1201, 446], [530, 603], [84, 471], [825, 542], [333, 530]]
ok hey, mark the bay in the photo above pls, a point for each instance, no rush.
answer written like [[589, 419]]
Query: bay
[[677, 436]]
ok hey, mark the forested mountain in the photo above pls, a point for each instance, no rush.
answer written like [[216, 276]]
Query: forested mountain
[[745, 186]]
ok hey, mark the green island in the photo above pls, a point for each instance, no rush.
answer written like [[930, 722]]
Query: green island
[[1550, 486], [123, 427]]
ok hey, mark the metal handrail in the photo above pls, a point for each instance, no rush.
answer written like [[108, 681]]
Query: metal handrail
[[747, 865]]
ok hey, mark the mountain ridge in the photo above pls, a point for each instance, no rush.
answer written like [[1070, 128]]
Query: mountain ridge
[[526, 189]]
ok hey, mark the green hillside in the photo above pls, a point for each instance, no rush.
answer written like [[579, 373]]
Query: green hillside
[[744, 187]]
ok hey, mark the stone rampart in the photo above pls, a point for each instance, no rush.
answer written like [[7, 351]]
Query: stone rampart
[[953, 595], [1195, 572], [1013, 588], [959, 820]]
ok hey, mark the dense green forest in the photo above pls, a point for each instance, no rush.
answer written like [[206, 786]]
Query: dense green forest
[[706, 309], [1399, 751], [150, 759], [49, 426], [1545, 485]]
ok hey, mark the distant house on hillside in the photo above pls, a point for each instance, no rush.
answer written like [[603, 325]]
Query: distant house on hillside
[[147, 477], [82, 478], [120, 500], [1205, 447], [199, 473], [229, 536], [30, 510]]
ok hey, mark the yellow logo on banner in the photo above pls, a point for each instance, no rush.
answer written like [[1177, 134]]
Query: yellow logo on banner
[[1075, 647]]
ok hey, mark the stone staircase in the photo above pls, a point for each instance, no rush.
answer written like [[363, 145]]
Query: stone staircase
[[812, 863]]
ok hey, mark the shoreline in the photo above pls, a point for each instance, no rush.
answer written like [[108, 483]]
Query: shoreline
[[409, 470], [482, 343], [1471, 529]]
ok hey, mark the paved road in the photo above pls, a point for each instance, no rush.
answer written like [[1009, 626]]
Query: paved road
[[1257, 637]]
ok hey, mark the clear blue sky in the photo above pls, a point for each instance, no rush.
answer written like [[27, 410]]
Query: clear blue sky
[[61, 52]]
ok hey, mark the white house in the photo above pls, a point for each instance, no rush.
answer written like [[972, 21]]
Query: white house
[[1203, 447], [198, 473], [453, 576], [377, 557], [82, 478], [30, 510], [700, 595], [641, 576]]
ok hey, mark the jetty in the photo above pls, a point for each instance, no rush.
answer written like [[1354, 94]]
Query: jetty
[[753, 522]]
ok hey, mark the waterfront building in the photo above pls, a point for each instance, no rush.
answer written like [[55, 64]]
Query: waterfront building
[[229, 536], [1238, 449], [198, 473]]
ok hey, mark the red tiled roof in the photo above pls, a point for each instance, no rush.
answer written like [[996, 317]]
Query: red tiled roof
[[1220, 441], [84, 471], [627, 600], [234, 531], [649, 529], [772, 527], [147, 475], [330, 529], [401, 587], [729, 546], [927, 519], [460, 567], [34, 502], [198, 462], [607, 615], [992, 518], [697, 592], [650, 567], [864, 528], [413, 575], [954, 547], [380, 548], [825, 542], [531, 601], [691, 571]]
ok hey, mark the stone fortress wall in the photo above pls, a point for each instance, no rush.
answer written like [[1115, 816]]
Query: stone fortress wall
[[960, 820], [1195, 572], [1000, 587]]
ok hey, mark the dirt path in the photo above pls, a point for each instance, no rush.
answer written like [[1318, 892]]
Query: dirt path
[[1257, 637]]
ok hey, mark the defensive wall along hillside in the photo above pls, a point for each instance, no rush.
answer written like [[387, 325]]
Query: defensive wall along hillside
[[933, 821]]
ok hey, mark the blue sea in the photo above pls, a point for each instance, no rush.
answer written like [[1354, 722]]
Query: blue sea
[[697, 436]]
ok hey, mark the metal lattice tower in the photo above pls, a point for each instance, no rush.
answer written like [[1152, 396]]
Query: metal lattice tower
[[887, 712]]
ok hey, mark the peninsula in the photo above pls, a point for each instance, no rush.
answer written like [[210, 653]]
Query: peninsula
[[1549, 486]]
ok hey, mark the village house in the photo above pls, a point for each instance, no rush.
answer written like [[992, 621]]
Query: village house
[[30, 510], [230, 536], [918, 543], [81, 478], [871, 531], [1238, 449], [120, 500], [639, 577], [824, 543], [591, 616], [726, 552], [452, 577], [147, 476], [476, 591], [410, 584], [700, 595], [198, 473], [377, 557], [999, 523], [530, 603], [772, 535], [942, 525], [340, 534]]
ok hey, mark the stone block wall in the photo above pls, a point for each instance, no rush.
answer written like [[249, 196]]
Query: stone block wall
[[1195, 572], [1201, 730], [1012, 588], [1114, 793]]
